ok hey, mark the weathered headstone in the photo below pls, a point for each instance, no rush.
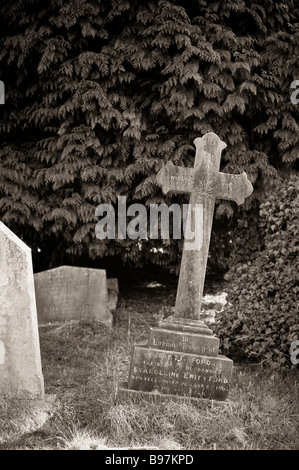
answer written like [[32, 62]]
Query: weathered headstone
[[20, 362], [72, 293], [181, 358]]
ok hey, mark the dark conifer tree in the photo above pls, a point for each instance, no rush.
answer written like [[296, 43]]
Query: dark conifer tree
[[100, 94]]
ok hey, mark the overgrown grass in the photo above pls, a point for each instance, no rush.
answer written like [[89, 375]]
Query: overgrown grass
[[84, 362]]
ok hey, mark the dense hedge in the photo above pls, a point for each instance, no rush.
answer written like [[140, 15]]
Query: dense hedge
[[101, 94], [262, 318]]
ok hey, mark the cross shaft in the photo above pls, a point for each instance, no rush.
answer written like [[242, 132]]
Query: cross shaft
[[204, 183]]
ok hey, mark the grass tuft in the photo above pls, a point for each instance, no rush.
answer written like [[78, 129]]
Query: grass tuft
[[83, 364]]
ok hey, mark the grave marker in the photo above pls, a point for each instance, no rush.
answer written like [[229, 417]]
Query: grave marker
[[204, 183], [20, 362], [181, 358], [72, 293]]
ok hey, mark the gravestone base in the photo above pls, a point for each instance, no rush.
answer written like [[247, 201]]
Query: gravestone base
[[179, 334], [185, 325], [41, 404], [126, 395], [180, 359]]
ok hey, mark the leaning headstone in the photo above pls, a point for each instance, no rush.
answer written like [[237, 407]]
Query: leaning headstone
[[20, 361], [72, 293], [182, 356]]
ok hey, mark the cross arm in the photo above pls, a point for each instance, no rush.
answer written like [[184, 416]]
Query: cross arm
[[175, 179], [233, 187]]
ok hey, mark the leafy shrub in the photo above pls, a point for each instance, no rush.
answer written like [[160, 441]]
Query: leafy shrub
[[261, 318]]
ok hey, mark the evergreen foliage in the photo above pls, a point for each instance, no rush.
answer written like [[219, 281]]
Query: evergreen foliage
[[261, 319], [101, 94]]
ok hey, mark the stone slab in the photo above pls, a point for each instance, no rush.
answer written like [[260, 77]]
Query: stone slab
[[41, 404], [182, 341], [185, 324], [126, 395], [20, 361], [177, 373], [72, 293]]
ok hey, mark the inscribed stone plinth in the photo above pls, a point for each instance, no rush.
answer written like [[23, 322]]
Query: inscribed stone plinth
[[180, 373], [72, 293], [183, 341], [20, 362], [181, 357]]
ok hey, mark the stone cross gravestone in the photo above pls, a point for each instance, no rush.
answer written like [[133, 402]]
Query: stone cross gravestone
[[72, 293], [181, 358], [204, 183], [20, 362]]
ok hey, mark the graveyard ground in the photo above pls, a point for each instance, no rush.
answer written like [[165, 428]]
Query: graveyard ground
[[83, 363]]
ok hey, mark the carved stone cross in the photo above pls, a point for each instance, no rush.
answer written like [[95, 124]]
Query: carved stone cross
[[204, 183]]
